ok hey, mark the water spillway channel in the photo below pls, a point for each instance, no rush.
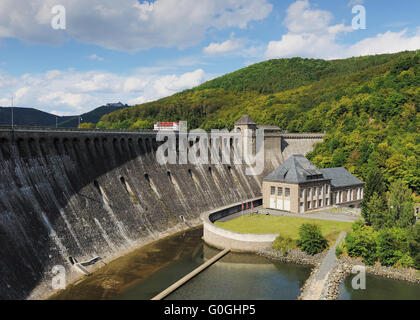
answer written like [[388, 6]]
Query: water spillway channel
[[146, 272]]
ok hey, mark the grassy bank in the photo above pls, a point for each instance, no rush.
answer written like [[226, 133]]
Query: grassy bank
[[288, 227]]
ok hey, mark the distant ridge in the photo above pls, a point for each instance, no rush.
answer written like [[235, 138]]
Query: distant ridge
[[34, 117]]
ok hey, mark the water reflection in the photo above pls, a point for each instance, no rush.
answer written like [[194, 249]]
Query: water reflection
[[149, 270], [235, 276]]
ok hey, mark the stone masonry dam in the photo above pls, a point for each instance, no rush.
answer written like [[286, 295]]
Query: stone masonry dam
[[89, 193]]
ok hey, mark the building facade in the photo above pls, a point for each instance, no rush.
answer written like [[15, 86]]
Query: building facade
[[298, 186], [166, 126]]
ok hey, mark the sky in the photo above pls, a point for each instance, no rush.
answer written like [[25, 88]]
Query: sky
[[70, 59]]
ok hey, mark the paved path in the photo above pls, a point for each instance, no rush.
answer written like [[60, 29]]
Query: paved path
[[342, 215], [318, 281]]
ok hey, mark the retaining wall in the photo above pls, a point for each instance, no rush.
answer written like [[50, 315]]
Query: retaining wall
[[237, 242]]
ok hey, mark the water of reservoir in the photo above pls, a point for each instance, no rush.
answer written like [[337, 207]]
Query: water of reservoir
[[380, 288], [147, 271]]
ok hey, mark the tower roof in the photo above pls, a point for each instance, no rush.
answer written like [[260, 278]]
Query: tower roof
[[245, 119]]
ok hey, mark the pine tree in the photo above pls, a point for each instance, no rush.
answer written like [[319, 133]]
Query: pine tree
[[400, 205], [377, 210], [374, 184]]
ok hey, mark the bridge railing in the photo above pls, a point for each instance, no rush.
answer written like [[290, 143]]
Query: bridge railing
[[60, 129]]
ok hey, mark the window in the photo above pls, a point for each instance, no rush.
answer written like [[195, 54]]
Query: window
[[287, 192], [280, 191], [326, 188], [320, 203], [326, 202], [308, 192], [309, 204], [301, 194], [320, 190], [273, 191], [314, 192]]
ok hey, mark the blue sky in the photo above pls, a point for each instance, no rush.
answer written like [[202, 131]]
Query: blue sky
[[137, 51]]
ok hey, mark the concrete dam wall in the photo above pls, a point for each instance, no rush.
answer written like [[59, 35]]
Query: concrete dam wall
[[84, 194]]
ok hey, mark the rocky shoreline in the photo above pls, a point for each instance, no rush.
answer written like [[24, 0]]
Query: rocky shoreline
[[346, 264], [293, 256], [341, 270]]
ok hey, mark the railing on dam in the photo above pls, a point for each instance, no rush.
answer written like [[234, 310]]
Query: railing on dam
[[63, 129], [302, 135]]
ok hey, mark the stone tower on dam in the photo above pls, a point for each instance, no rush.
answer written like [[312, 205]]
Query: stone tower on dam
[[87, 193]]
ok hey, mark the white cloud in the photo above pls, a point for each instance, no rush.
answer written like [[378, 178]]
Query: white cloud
[[71, 92], [355, 2], [166, 85], [226, 46], [127, 24], [312, 34], [389, 42], [95, 57]]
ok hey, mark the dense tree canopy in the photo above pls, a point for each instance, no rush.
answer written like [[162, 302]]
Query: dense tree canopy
[[368, 106]]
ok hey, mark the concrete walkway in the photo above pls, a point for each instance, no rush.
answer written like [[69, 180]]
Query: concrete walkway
[[342, 216], [317, 282], [191, 275]]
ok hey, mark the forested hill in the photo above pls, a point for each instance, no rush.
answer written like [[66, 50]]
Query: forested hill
[[368, 106], [34, 117]]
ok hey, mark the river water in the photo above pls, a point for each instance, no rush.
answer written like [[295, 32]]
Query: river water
[[380, 288], [149, 270]]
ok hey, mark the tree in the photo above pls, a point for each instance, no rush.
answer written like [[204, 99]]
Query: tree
[[311, 239], [393, 247], [374, 184], [400, 205], [414, 245], [362, 243], [377, 209], [87, 125]]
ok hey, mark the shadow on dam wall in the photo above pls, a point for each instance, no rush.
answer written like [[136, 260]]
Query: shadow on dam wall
[[92, 193]]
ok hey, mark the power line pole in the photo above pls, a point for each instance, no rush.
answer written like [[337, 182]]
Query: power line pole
[[12, 114]]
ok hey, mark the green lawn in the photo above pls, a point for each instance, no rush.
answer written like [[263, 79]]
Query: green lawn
[[288, 227]]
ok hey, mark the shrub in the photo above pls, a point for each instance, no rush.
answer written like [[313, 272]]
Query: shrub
[[311, 239], [393, 247], [362, 243], [405, 261], [416, 261], [339, 251], [414, 245], [284, 244]]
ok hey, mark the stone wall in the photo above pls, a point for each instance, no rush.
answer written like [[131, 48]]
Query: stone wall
[[237, 242]]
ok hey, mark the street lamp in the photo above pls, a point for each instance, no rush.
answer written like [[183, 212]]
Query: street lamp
[[12, 114]]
